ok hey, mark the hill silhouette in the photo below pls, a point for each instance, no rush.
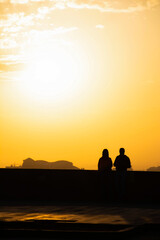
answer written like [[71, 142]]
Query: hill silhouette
[[154, 169], [62, 164]]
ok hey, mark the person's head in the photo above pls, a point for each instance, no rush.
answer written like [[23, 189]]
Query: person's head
[[122, 151], [105, 153]]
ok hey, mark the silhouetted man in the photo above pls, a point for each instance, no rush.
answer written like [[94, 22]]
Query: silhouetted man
[[122, 162]]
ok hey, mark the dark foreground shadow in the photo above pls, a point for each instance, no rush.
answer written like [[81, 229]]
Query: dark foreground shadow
[[76, 185]]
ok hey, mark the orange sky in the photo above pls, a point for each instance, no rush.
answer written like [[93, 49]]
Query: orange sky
[[79, 76]]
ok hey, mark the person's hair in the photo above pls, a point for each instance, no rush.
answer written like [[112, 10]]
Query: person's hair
[[105, 153], [121, 150]]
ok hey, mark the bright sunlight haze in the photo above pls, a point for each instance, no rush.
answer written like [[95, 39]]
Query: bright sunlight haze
[[77, 77]]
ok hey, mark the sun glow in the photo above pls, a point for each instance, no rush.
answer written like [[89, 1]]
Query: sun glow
[[52, 74]]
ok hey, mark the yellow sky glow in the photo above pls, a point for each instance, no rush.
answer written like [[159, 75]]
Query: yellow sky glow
[[77, 77]]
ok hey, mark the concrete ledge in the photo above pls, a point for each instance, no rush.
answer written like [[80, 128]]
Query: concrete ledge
[[75, 185]]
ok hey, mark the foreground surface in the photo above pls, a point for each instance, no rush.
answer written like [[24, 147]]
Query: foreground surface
[[45, 220]]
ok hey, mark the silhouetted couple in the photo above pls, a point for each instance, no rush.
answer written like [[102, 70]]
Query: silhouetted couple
[[122, 163]]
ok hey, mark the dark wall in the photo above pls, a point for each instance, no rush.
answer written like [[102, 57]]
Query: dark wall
[[75, 185]]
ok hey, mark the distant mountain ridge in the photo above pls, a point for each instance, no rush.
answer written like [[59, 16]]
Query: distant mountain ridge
[[42, 164]]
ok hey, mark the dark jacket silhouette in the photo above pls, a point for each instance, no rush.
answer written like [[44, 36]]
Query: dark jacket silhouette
[[105, 162], [122, 162]]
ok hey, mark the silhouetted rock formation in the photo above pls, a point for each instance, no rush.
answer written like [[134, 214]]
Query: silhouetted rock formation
[[30, 163], [154, 169]]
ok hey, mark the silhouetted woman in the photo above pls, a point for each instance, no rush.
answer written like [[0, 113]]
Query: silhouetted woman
[[105, 162], [104, 168]]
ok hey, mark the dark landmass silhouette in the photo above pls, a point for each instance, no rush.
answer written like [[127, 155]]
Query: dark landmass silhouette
[[154, 169], [62, 164], [41, 164]]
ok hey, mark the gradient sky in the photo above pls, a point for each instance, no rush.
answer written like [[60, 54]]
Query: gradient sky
[[77, 77]]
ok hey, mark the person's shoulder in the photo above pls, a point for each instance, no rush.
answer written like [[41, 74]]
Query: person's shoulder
[[126, 157], [116, 160]]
